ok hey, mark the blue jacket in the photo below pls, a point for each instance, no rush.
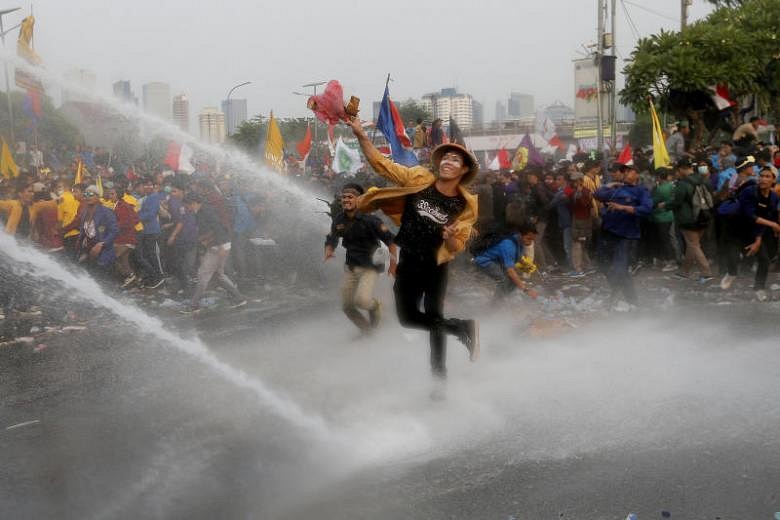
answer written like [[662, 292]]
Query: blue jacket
[[150, 207], [243, 221], [106, 231], [506, 253], [620, 223], [562, 204], [750, 210]]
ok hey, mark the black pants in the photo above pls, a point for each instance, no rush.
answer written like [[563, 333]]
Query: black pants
[[615, 255], [147, 255], [421, 281]]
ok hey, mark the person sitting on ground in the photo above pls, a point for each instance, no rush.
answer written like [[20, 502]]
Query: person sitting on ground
[[360, 234], [499, 262], [97, 233]]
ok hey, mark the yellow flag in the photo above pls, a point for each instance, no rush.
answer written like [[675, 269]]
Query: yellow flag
[[24, 46], [8, 167], [660, 154], [274, 146], [99, 185], [79, 172]]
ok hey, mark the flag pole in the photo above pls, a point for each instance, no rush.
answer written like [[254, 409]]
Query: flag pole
[[387, 84]]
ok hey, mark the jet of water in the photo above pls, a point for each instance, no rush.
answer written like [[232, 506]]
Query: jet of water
[[240, 162], [34, 263]]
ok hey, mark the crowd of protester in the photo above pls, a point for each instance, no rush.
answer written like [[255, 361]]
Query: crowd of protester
[[713, 210]]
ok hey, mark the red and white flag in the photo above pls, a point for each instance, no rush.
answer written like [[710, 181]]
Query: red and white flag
[[304, 147], [721, 96], [179, 158], [626, 156]]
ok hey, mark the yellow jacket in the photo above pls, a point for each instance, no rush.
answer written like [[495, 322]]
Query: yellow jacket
[[133, 202], [13, 211], [592, 185], [67, 210], [410, 180], [13, 214]]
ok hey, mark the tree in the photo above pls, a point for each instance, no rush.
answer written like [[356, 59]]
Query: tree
[[726, 3], [411, 110], [248, 135], [735, 45], [53, 129]]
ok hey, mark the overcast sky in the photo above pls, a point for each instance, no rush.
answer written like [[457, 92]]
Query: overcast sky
[[486, 48]]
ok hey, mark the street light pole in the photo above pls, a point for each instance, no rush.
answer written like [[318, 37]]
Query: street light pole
[[7, 79], [227, 102], [314, 85]]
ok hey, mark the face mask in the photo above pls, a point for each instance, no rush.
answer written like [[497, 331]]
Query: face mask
[[60, 192], [703, 169]]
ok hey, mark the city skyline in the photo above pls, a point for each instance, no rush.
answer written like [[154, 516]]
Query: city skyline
[[536, 60]]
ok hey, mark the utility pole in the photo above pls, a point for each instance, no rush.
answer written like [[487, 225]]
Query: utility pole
[[314, 86], [599, 82], [613, 92], [7, 78], [684, 6]]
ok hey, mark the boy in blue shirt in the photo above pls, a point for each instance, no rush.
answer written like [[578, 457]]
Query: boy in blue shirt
[[498, 261]]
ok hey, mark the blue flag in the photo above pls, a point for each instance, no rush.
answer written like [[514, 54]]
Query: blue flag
[[391, 126]]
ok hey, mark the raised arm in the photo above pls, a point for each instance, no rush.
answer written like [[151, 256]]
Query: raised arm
[[394, 172]]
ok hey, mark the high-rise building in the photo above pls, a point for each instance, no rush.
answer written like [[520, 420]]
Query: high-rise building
[[559, 113], [479, 113], [212, 125], [235, 114], [448, 103], [124, 92], [520, 106], [81, 79], [500, 112], [181, 112], [157, 99]]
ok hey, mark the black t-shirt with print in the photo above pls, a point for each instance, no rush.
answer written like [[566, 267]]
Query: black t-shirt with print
[[425, 215]]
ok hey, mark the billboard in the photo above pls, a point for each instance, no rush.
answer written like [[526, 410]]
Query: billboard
[[586, 78]]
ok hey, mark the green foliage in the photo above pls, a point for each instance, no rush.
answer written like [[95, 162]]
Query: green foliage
[[737, 45], [411, 110], [726, 3], [641, 133], [250, 135], [53, 129]]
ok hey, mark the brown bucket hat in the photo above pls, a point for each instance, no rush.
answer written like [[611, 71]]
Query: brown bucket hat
[[471, 162]]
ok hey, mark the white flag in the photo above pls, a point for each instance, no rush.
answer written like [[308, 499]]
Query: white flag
[[495, 164], [544, 126], [347, 159], [185, 162]]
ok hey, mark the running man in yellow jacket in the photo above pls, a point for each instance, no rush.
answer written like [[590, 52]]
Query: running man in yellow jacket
[[436, 213]]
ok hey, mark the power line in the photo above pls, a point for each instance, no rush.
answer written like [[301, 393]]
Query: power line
[[652, 12], [630, 21]]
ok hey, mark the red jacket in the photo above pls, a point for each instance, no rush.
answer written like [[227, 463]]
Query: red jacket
[[580, 206], [48, 229], [127, 219]]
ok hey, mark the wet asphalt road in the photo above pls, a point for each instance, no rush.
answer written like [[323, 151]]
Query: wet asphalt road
[[667, 419]]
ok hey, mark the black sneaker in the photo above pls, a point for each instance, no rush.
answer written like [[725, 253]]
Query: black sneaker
[[470, 338], [155, 284], [128, 281]]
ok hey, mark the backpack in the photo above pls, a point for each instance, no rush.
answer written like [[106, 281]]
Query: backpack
[[702, 204]]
